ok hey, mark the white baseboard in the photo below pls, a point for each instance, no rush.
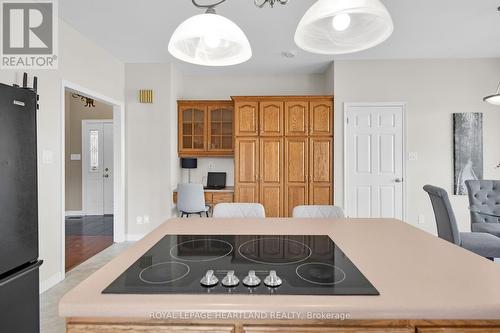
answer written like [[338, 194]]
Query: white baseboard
[[497, 260], [74, 213], [50, 282], [134, 237]]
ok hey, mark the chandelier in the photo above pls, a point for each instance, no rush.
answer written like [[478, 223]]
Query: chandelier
[[262, 3]]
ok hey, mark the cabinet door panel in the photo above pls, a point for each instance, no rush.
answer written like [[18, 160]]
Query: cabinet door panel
[[311, 329], [192, 128], [271, 118], [321, 172], [458, 330], [296, 173], [220, 128], [296, 118], [247, 169], [246, 119], [127, 328], [271, 176], [321, 118]]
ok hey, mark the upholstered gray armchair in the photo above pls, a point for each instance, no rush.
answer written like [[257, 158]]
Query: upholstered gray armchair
[[484, 244], [484, 197]]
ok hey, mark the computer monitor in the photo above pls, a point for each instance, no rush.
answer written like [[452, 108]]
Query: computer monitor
[[216, 180]]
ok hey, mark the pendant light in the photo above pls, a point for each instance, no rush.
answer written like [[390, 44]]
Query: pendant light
[[343, 26], [494, 99], [210, 40]]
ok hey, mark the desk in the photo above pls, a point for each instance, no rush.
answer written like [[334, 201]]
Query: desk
[[213, 197]]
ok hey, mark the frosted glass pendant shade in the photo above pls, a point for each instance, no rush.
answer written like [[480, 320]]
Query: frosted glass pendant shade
[[210, 40], [493, 99], [343, 26]]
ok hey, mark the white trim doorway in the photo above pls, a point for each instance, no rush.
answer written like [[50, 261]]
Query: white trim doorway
[[118, 162], [403, 106]]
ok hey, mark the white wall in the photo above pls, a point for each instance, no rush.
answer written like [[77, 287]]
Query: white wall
[[151, 154], [223, 86], [83, 63], [433, 89]]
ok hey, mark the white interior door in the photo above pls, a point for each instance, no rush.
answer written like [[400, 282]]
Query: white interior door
[[97, 156], [374, 172], [108, 168]]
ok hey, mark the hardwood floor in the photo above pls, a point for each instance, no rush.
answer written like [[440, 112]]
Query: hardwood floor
[[86, 237]]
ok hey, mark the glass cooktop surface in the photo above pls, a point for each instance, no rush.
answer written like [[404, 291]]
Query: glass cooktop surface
[[282, 265]]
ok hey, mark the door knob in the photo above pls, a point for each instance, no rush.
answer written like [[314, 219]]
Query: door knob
[[107, 169], [399, 180]]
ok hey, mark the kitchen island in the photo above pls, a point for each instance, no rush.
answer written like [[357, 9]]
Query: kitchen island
[[425, 284]]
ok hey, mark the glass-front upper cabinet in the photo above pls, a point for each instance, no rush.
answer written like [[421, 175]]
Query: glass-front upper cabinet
[[220, 128], [205, 128]]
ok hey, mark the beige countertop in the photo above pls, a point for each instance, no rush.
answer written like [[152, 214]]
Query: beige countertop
[[418, 275]]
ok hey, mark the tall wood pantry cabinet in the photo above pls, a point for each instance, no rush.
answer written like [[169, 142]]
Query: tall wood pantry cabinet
[[284, 151]]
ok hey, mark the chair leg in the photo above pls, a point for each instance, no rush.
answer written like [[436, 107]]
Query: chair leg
[[206, 213]]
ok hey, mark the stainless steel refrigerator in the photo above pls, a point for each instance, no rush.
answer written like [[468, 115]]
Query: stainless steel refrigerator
[[19, 264]]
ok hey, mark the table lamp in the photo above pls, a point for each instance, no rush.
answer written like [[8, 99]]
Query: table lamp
[[189, 163]]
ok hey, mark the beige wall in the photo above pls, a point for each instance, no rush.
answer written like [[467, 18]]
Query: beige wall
[[76, 112], [149, 152], [433, 89], [85, 64]]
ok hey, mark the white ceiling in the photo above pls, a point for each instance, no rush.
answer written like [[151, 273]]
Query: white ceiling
[[139, 31]]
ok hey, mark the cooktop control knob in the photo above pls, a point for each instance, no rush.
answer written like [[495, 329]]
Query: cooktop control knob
[[209, 280], [272, 280], [251, 280], [230, 280]]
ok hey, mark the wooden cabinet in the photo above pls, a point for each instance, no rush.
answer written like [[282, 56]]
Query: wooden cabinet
[[205, 128], [312, 329], [271, 176], [295, 155], [458, 330], [247, 170], [271, 118], [162, 328], [296, 173], [296, 118], [321, 118], [321, 171], [246, 118]]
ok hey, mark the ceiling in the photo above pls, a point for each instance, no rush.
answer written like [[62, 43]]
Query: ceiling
[[139, 31]]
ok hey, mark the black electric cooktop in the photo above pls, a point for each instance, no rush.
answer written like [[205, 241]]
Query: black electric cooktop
[[303, 265]]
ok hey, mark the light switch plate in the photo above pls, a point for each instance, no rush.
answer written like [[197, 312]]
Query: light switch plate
[[76, 157], [413, 156]]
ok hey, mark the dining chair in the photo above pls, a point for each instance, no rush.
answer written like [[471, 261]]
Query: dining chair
[[191, 200], [484, 205], [483, 244], [239, 210], [318, 212]]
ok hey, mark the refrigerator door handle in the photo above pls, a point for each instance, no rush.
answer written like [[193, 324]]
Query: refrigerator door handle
[[21, 273]]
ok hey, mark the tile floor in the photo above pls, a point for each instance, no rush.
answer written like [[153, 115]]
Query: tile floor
[[49, 300]]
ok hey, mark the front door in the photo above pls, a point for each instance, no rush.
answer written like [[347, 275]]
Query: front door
[[374, 137], [97, 167]]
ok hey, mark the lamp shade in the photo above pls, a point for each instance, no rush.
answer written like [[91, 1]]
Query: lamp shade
[[210, 40], [189, 163], [343, 26], [493, 99]]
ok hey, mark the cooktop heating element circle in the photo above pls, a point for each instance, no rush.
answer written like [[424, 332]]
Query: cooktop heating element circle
[[203, 241], [164, 272], [320, 273], [304, 252]]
